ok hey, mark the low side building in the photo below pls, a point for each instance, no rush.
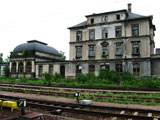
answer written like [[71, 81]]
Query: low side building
[[24, 57]]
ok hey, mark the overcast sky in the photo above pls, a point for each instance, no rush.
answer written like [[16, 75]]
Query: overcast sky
[[48, 20]]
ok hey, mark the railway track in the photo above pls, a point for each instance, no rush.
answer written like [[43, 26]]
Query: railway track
[[83, 89], [111, 113], [30, 89]]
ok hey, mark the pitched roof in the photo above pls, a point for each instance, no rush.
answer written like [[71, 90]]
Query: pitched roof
[[82, 24], [130, 16]]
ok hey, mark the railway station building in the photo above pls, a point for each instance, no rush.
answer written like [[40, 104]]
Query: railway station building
[[117, 40]]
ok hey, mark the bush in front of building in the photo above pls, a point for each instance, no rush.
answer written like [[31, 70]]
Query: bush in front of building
[[112, 76]]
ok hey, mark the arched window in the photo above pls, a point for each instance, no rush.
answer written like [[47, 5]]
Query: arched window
[[28, 67], [13, 67], [20, 67], [136, 69]]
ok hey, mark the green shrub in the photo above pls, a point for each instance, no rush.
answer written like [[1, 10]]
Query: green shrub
[[47, 78], [56, 76], [23, 79], [112, 76], [6, 71]]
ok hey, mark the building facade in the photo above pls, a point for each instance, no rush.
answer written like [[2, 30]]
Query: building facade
[[118, 40]]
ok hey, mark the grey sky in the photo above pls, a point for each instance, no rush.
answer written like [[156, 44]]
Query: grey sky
[[47, 20]]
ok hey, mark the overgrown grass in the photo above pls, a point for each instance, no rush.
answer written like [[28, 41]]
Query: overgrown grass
[[105, 78]]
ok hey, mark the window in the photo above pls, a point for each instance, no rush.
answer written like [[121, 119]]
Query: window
[[51, 69], [14, 67], [104, 50], [104, 19], [78, 52], [119, 68], [91, 51], [135, 30], [40, 69], [104, 33], [91, 69], [92, 34], [20, 67], [28, 67], [135, 48], [118, 49], [136, 69], [118, 17], [92, 20], [78, 69], [104, 67], [79, 35], [118, 31]]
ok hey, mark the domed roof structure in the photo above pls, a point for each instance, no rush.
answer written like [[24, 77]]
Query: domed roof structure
[[38, 46]]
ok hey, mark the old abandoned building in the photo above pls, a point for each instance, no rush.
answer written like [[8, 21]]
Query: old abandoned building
[[117, 40]]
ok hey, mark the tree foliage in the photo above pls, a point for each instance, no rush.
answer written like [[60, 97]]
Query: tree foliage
[[62, 56], [1, 58]]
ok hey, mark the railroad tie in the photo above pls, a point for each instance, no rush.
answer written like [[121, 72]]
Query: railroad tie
[[122, 112], [135, 113], [149, 114], [114, 118]]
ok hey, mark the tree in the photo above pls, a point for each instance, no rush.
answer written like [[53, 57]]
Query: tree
[[6, 71], [62, 56], [47, 78], [7, 59], [1, 58]]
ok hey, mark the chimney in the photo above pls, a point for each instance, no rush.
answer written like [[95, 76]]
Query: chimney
[[129, 7]]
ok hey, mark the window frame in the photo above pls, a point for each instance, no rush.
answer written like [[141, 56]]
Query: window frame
[[92, 34], [50, 69], [78, 51], [118, 17], [104, 33], [119, 68], [91, 69], [136, 70], [28, 67], [92, 20], [135, 47], [78, 70], [20, 67], [14, 65], [77, 35], [40, 70], [134, 33], [91, 49], [117, 48], [118, 31]]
